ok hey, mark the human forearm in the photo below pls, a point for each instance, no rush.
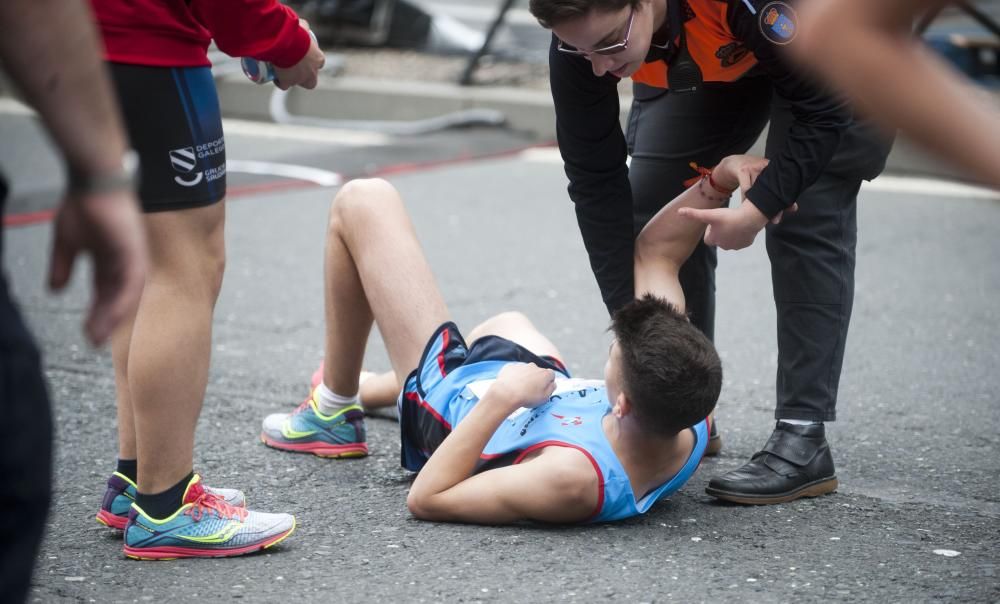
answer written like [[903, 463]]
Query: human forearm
[[263, 29], [50, 49], [517, 384], [808, 119], [455, 459], [667, 241]]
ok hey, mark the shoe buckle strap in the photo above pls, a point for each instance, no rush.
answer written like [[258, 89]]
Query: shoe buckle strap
[[790, 447]]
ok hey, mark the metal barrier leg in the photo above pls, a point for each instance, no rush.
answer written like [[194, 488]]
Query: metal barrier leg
[[470, 67]]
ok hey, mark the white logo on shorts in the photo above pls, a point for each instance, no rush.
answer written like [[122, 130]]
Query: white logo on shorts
[[183, 160], [189, 183]]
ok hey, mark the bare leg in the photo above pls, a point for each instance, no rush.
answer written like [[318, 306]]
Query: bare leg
[[375, 271], [168, 353], [380, 390], [517, 328], [126, 421]]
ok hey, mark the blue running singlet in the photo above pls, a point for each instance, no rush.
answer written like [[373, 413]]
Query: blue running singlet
[[450, 380]]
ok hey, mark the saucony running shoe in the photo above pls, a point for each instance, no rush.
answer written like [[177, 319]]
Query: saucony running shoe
[[121, 491], [205, 526], [306, 430]]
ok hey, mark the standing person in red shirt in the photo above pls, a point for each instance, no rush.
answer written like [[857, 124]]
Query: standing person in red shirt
[[157, 53]]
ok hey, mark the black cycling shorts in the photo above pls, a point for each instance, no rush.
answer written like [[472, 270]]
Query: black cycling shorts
[[173, 121]]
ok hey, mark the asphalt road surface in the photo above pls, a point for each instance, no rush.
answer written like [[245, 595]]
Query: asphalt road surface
[[917, 444]]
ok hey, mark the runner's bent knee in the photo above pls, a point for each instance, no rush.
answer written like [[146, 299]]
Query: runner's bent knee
[[363, 199]]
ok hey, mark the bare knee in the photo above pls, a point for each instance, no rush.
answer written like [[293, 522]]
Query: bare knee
[[188, 249], [201, 272], [360, 199]]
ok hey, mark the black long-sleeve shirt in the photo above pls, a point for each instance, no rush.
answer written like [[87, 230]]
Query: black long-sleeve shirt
[[594, 149]]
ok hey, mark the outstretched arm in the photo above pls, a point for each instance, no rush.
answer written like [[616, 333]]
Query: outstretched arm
[[670, 237], [558, 485], [865, 49]]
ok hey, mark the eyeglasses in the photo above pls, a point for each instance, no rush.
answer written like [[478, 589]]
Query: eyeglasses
[[605, 50]]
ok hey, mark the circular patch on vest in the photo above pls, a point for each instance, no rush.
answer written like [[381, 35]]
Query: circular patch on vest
[[778, 23]]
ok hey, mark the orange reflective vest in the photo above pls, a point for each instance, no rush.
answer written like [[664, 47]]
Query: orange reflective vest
[[721, 57]]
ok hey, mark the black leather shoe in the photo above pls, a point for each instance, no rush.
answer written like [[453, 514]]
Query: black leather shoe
[[795, 462], [714, 441]]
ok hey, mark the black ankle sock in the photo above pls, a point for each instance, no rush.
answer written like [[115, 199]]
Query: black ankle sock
[[128, 468], [161, 505]]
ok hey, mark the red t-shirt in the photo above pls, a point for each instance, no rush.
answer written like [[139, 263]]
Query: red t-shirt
[[176, 33]]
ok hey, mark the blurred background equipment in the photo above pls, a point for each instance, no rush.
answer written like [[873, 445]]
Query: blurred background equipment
[[386, 23], [967, 34]]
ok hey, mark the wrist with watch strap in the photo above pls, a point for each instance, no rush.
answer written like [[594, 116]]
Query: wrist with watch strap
[[124, 178]]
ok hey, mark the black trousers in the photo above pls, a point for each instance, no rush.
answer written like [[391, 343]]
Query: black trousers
[[811, 251], [25, 449]]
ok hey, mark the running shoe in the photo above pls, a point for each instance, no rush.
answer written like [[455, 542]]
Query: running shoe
[[121, 491], [205, 526], [306, 430]]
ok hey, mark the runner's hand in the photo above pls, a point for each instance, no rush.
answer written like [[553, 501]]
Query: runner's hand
[[738, 172], [523, 385], [109, 228], [305, 73]]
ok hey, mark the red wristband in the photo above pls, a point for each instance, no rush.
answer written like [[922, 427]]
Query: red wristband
[[711, 181]]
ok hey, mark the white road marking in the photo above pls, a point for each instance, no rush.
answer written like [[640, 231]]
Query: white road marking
[[323, 178], [542, 155], [311, 134], [913, 185]]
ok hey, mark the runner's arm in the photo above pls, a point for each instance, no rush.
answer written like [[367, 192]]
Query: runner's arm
[[668, 238], [560, 485]]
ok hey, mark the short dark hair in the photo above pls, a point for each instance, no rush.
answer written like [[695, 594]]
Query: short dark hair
[[553, 12], [670, 371]]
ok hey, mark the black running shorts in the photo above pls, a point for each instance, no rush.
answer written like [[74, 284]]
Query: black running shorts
[[173, 121]]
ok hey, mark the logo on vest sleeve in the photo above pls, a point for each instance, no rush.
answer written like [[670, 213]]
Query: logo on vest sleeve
[[778, 23]]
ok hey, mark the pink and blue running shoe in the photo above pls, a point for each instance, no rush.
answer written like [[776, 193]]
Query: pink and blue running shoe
[[120, 494], [205, 526], [307, 430]]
